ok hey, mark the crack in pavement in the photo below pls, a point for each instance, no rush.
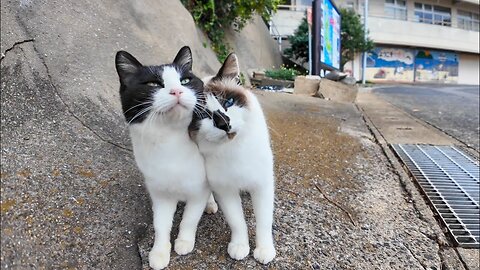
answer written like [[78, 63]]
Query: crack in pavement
[[391, 167], [4, 54], [464, 263], [413, 255]]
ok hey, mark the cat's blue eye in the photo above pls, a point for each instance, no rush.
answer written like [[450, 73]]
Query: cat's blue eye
[[153, 84], [185, 81], [228, 103]]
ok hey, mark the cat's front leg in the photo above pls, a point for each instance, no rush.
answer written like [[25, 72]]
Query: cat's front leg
[[231, 205], [262, 199], [188, 227], [163, 211]]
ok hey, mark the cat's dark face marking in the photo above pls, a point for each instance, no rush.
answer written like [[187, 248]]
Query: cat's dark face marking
[[159, 89]]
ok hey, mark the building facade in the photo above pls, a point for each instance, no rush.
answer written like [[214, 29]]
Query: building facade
[[424, 41]]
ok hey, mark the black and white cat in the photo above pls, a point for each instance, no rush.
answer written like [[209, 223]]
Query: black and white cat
[[158, 103], [236, 146]]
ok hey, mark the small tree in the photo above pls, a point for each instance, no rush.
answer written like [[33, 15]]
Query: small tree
[[352, 36], [299, 43], [352, 39]]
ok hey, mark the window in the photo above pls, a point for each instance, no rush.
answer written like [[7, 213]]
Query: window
[[432, 14], [468, 20], [396, 9]]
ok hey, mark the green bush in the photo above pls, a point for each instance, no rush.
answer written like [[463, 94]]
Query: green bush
[[299, 43], [283, 73], [214, 16]]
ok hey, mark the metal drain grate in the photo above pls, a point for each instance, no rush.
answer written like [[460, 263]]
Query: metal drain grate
[[450, 179]]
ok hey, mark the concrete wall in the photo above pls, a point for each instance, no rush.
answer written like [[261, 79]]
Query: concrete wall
[[396, 32], [386, 30], [254, 46], [469, 69], [286, 22], [354, 67]]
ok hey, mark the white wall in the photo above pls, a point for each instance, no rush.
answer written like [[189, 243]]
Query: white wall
[[469, 69], [287, 21], [354, 67], [396, 32]]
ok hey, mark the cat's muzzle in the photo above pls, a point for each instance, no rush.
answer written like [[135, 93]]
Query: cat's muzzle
[[221, 121]]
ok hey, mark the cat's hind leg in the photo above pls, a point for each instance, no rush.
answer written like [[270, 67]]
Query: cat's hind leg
[[262, 199], [188, 227], [231, 205], [163, 211], [212, 206]]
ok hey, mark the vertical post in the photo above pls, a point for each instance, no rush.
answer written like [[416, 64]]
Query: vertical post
[[316, 36], [365, 17], [309, 50], [309, 22]]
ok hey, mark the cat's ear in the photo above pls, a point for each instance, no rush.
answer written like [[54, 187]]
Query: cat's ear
[[230, 67], [184, 58], [126, 64]]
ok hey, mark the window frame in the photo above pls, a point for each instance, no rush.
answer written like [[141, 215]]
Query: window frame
[[437, 15], [468, 21], [399, 11]]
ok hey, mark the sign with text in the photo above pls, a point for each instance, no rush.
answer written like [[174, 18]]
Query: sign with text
[[330, 35], [327, 35]]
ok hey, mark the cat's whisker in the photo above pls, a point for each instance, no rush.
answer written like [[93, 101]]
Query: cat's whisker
[[223, 118], [144, 103], [203, 110], [201, 107], [140, 113]]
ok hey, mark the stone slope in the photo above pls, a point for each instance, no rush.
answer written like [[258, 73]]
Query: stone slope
[[71, 195]]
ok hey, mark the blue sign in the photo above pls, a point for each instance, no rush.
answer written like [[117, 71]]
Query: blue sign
[[330, 35]]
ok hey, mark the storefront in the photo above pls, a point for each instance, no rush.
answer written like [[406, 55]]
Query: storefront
[[412, 65]]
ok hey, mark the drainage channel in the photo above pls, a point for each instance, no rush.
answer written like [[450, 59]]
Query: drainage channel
[[450, 180]]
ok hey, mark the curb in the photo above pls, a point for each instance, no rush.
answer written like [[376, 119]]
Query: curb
[[420, 204]]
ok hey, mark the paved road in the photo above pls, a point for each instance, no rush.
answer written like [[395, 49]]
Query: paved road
[[451, 108]]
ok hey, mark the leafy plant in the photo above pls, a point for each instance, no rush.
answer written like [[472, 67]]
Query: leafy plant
[[352, 36], [299, 43], [214, 16], [283, 73]]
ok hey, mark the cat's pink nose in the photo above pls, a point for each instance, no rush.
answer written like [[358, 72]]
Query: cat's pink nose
[[176, 92]]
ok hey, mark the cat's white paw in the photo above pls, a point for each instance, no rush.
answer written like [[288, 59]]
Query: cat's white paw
[[264, 254], [159, 257], [183, 247], [211, 208], [238, 251]]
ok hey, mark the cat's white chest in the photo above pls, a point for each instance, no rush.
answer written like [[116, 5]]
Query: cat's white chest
[[169, 160], [244, 164]]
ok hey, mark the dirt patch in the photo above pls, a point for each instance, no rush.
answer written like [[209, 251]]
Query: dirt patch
[[312, 146]]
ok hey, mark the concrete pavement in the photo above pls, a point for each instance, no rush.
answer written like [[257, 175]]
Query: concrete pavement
[[397, 126], [391, 125], [453, 109]]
